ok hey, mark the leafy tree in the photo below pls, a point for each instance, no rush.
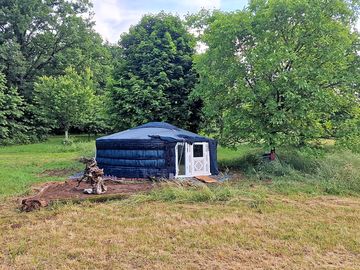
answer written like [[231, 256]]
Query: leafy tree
[[279, 71], [347, 127], [33, 33], [154, 74], [42, 38], [66, 100], [97, 120], [11, 129]]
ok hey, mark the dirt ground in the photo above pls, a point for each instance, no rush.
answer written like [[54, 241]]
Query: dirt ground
[[69, 190]]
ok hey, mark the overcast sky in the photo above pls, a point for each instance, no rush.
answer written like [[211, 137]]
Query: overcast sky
[[113, 17]]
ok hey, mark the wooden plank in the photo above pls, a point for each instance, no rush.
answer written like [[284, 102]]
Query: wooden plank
[[206, 179]]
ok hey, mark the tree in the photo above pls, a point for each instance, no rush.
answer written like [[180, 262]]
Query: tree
[[97, 121], [154, 74], [42, 38], [11, 130], [66, 100], [279, 71]]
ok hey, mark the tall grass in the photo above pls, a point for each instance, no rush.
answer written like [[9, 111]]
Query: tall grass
[[313, 171], [324, 170]]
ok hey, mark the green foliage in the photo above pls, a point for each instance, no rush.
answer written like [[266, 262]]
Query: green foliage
[[67, 100], [349, 131], [12, 129], [280, 72], [97, 121], [42, 38], [154, 74]]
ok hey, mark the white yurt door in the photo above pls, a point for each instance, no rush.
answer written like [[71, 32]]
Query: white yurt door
[[192, 159], [200, 159]]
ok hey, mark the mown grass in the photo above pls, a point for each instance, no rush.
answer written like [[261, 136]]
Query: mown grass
[[23, 165], [280, 233], [280, 215]]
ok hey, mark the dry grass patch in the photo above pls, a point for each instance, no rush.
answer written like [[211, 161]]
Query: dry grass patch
[[281, 233]]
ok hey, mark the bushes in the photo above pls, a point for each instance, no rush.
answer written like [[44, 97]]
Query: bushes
[[351, 142]]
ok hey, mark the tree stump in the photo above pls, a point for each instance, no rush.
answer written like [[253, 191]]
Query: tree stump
[[32, 204]]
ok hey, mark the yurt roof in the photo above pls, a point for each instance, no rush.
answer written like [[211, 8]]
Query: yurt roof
[[156, 130]]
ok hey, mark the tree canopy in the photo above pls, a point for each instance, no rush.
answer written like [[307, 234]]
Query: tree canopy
[[43, 38], [11, 130], [280, 71], [154, 74], [67, 100]]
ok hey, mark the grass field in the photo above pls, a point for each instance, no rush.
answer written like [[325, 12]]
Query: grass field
[[23, 165], [302, 212]]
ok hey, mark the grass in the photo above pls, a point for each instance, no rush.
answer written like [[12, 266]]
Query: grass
[[280, 233], [325, 170], [316, 171], [300, 212], [23, 165]]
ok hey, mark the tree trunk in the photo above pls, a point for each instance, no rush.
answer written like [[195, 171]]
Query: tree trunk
[[272, 154]]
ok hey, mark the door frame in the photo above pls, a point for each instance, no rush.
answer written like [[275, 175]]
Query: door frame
[[176, 160]]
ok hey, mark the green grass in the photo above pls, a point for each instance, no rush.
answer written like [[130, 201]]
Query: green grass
[[23, 165], [313, 171], [316, 171], [246, 223]]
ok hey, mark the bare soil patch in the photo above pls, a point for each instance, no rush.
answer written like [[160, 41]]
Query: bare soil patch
[[56, 172], [70, 191]]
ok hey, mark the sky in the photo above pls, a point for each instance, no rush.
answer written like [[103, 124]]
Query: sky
[[114, 17]]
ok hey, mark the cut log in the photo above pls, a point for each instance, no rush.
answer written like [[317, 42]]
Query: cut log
[[93, 175]]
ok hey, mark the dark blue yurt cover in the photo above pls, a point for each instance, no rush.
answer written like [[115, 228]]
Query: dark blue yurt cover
[[147, 150]]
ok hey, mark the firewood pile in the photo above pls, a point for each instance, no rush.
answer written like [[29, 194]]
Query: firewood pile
[[94, 176]]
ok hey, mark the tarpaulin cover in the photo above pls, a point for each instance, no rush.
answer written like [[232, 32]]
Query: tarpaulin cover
[[147, 150]]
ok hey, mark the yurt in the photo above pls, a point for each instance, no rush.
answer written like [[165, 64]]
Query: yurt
[[156, 149]]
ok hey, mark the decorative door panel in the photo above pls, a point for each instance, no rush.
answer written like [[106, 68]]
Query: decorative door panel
[[200, 156]]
